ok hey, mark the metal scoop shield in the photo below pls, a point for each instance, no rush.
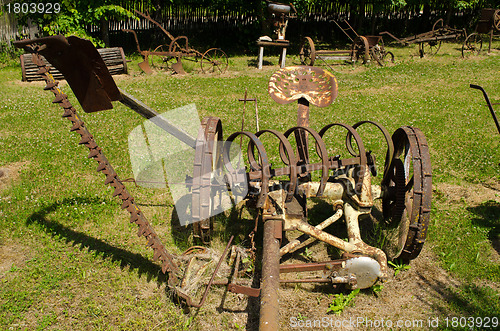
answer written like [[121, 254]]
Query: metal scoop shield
[[83, 68]]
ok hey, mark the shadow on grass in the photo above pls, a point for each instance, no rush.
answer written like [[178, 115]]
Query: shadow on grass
[[254, 62], [488, 216], [128, 259], [465, 299]]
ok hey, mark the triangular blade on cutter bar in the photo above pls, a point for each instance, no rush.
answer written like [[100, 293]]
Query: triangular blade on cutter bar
[[83, 68]]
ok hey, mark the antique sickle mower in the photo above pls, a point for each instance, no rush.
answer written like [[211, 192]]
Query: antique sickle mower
[[400, 204], [167, 56], [363, 48]]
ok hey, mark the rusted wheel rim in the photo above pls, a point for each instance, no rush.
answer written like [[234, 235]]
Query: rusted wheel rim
[[438, 24], [207, 166], [388, 57], [434, 46], [214, 60], [394, 211], [496, 19], [307, 52], [160, 62], [407, 202], [472, 45], [360, 49]]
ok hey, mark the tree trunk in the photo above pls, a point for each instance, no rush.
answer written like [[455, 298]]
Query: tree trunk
[[448, 15], [361, 18], [426, 16], [373, 23], [105, 31]]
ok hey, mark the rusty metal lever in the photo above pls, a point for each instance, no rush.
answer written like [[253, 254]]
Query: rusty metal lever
[[150, 114], [477, 87]]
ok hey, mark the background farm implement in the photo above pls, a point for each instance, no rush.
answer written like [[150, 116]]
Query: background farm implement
[[170, 55], [363, 48], [430, 42]]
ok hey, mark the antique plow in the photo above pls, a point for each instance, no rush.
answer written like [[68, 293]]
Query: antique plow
[[166, 56], [430, 42], [488, 23], [363, 48], [400, 205]]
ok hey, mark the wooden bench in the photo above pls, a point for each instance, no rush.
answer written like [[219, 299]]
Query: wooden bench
[[113, 57], [276, 43]]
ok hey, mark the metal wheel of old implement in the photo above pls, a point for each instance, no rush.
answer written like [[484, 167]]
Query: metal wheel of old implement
[[430, 48], [307, 53], [160, 62], [407, 202], [433, 46], [496, 19], [360, 50], [214, 60], [472, 45], [207, 178]]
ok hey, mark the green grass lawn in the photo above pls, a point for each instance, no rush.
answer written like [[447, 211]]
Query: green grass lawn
[[69, 258]]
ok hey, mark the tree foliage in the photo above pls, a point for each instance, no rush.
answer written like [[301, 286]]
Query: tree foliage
[[75, 17]]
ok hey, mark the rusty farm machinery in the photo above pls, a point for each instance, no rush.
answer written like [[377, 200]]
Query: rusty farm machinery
[[306, 168], [430, 42], [363, 48], [488, 23], [278, 16], [170, 55]]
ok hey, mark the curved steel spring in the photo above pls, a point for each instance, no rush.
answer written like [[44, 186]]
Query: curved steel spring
[[260, 169]]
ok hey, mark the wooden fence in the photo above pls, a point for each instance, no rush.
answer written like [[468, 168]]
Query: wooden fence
[[10, 30], [238, 28]]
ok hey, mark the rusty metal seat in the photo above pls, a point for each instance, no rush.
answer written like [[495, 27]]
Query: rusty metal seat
[[317, 86]]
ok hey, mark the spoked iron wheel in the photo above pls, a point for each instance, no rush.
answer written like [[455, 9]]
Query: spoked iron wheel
[[433, 47], [496, 19], [406, 203], [161, 62], [207, 178], [472, 45], [214, 60], [430, 48], [307, 52]]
